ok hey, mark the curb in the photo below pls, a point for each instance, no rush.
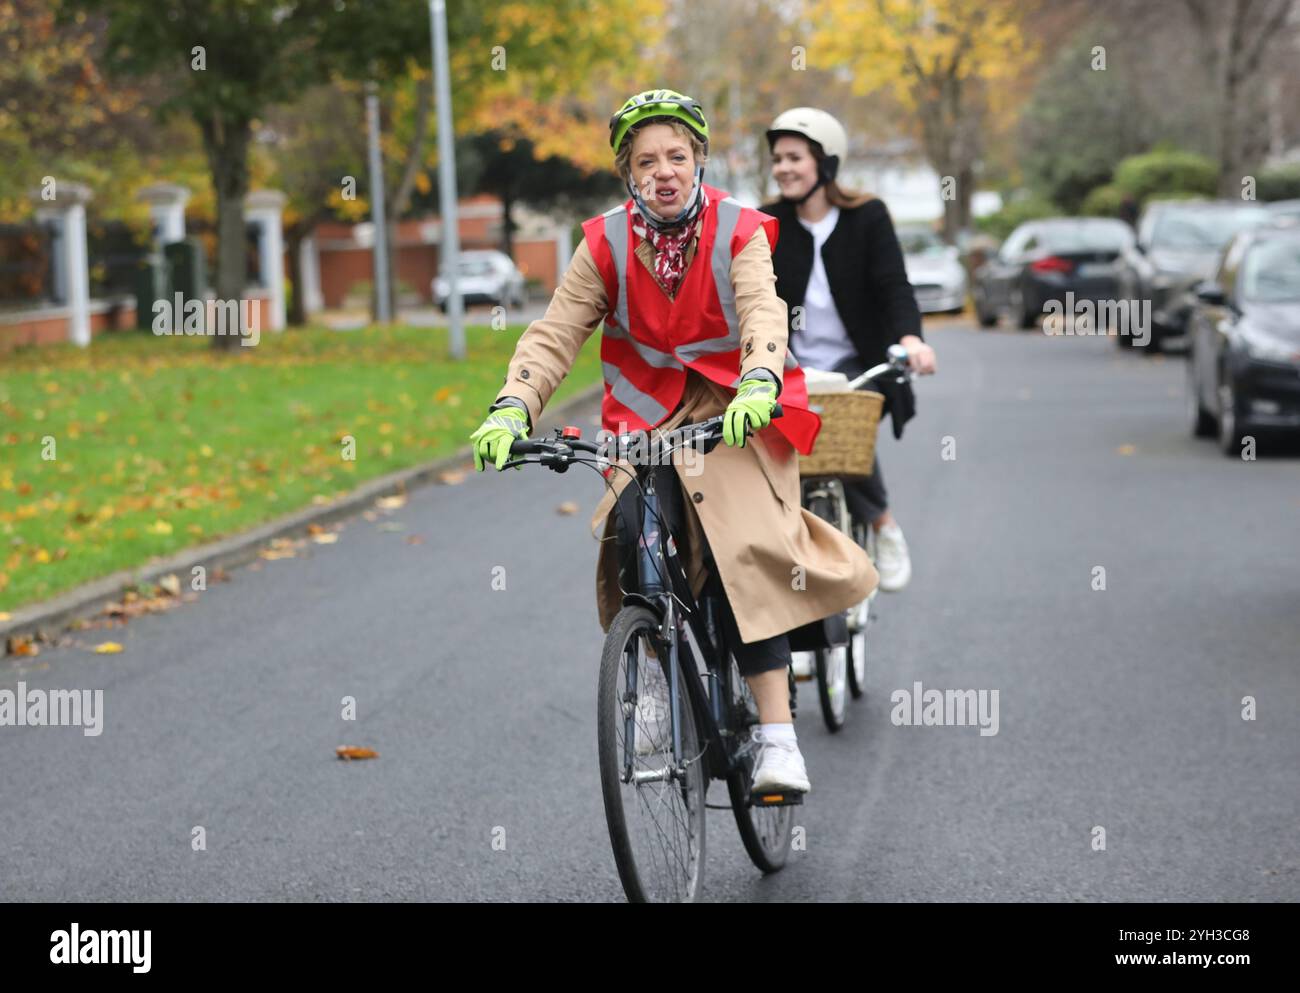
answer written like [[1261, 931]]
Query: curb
[[239, 549]]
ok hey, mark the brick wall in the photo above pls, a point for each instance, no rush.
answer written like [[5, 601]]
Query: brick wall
[[50, 327]]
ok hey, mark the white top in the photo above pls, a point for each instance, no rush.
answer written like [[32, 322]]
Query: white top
[[823, 342]]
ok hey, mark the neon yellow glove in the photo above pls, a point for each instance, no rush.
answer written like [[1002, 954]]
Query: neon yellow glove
[[493, 438], [751, 406]]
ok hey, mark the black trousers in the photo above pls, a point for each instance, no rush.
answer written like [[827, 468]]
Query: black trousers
[[752, 657], [866, 498]]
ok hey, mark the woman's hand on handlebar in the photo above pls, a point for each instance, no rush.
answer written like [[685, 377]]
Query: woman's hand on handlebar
[[920, 356], [752, 406], [494, 436]]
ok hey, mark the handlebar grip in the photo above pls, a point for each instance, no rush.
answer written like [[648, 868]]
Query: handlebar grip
[[523, 446], [777, 411]]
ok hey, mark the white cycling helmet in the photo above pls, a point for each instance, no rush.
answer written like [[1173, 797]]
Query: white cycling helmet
[[817, 126]]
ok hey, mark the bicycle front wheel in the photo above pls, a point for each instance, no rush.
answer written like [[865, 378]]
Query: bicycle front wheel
[[654, 805]]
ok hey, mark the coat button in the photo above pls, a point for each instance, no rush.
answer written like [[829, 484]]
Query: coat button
[[697, 497], [749, 347], [771, 346], [523, 373]]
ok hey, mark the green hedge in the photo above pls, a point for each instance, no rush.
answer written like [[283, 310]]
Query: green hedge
[[1279, 183], [1103, 201], [1162, 173], [1015, 213]]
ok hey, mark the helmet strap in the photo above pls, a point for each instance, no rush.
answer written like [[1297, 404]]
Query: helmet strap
[[688, 213]]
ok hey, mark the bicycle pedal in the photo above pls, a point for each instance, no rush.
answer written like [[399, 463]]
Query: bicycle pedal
[[790, 798]]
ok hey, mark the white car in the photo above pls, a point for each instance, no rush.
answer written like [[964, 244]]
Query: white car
[[934, 269], [485, 277]]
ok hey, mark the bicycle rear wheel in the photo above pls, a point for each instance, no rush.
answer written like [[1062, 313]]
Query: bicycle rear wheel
[[655, 812], [764, 831]]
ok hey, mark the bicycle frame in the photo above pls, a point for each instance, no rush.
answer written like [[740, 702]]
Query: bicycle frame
[[682, 619]]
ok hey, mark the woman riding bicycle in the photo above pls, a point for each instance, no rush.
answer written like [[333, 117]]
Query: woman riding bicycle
[[681, 275], [840, 270]]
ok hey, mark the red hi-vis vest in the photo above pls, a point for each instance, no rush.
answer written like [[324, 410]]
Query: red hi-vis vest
[[649, 341]]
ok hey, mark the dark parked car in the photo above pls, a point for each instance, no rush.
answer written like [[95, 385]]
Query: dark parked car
[[1178, 245], [1244, 332], [1045, 259]]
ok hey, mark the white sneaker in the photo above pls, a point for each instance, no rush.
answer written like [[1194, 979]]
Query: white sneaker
[[780, 767], [892, 561], [653, 722]]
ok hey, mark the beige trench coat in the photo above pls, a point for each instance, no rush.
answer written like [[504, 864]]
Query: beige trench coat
[[781, 566]]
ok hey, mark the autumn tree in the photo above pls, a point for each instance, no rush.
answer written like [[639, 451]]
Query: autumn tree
[[942, 60], [225, 62], [60, 116], [1235, 38], [316, 149], [512, 170], [521, 68]]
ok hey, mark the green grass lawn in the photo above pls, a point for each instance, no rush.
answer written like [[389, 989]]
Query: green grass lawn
[[161, 443]]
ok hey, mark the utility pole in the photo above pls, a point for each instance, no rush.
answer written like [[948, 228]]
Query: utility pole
[[382, 312], [450, 247]]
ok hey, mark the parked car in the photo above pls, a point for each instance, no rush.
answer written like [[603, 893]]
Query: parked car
[[1244, 334], [485, 277], [933, 268], [1178, 244], [1284, 209], [1043, 260]]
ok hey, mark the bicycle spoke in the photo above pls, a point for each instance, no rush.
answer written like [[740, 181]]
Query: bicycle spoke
[[667, 840]]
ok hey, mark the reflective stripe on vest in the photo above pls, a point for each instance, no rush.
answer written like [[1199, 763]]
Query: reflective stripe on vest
[[616, 238], [621, 389], [728, 215]]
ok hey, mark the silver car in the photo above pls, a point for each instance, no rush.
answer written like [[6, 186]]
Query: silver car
[[937, 276], [485, 277]]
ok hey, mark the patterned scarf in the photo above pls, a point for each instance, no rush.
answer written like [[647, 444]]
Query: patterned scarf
[[669, 246]]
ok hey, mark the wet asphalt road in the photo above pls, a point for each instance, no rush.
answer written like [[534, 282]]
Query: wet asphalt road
[[1119, 709]]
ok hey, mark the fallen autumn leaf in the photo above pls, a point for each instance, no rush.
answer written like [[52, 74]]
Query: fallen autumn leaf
[[350, 752]]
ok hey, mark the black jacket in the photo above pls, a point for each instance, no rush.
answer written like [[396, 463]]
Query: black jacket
[[864, 266]]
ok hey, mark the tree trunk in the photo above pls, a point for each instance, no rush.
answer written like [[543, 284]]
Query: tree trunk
[[507, 225], [294, 236], [226, 141], [1229, 145], [399, 199]]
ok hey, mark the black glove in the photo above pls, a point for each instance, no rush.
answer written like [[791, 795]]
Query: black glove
[[900, 401]]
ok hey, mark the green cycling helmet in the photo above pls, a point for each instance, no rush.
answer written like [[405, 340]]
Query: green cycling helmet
[[658, 103]]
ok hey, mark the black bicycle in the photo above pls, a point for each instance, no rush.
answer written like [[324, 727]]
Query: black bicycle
[[840, 667], [673, 712]]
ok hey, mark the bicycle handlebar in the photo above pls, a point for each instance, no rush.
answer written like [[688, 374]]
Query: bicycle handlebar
[[556, 452], [897, 363]]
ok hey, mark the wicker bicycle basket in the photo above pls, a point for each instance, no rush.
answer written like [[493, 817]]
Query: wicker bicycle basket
[[846, 444]]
